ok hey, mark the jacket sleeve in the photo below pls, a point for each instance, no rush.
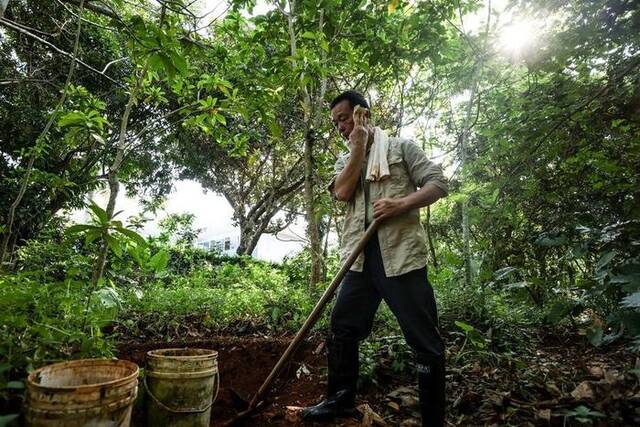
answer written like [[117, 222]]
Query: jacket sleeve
[[422, 170]]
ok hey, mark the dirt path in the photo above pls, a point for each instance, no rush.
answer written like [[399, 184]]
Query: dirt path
[[532, 389]]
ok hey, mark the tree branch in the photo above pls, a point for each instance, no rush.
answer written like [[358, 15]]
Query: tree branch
[[12, 25]]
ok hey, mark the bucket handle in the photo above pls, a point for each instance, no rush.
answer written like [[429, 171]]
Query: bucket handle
[[183, 410]]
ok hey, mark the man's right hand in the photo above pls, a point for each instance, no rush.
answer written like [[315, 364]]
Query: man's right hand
[[359, 135]]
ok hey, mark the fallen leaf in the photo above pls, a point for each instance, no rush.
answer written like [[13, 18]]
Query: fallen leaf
[[544, 414], [583, 391], [292, 414], [613, 377], [302, 370], [596, 371], [410, 401], [411, 422], [553, 389], [370, 417], [319, 348], [402, 390], [394, 406]]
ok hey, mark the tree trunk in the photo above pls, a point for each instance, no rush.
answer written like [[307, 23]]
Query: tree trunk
[[114, 183], [313, 233], [432, 249], [249, 238], [466, 130]]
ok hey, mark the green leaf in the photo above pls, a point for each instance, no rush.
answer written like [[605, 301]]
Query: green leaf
[[179, 62], [308, 35], [595, 335], [605, 259], [155, 62], [79, 228], [517, 285], [584, 413], [632, 301], [6, 420], [159, 261], [559, 311], [92, 235], [274, 128], [98, 138], [114, 245], [464, 326], [108, 297], [503, 272], [220, 119], [74, 118], [132, 235], [100, 213], [168, 65]]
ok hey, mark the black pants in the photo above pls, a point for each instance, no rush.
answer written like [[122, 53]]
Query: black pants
[[409, 296]]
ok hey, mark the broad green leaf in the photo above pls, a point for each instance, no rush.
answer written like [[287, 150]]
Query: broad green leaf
[[179, 62], [74, 118], [132, 235], [155, 62], [605, 259], [464, 326], [79, 228], [108, 297], [114, 245], [92, 235], [100, 213], [308, 35], [159, 261]]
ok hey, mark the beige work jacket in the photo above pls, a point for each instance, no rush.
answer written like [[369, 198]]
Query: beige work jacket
[[402, 238]]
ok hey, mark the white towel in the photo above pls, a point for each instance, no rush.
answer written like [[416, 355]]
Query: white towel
[[377, 166]]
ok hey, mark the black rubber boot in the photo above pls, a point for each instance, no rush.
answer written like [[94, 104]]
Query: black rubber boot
[[431, 383], [342, 379]]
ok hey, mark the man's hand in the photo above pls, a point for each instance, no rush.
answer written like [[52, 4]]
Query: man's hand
[[359, 135], [387, 208]]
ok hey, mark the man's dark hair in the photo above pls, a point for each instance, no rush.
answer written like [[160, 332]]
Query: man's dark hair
[[354, 98]]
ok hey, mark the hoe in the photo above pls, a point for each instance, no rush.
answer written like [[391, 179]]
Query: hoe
[[257, 400]]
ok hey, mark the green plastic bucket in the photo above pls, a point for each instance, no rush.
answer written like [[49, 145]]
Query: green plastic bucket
[[182, 384], [88, 392]]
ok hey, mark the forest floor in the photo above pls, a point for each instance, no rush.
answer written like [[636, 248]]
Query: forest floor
[[557, 379]]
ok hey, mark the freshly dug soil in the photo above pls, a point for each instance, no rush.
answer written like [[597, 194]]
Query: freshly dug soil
[[244, 364], [550, 383]]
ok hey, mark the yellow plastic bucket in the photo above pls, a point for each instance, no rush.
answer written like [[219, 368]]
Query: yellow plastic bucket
[[88, 392], [182, 384]]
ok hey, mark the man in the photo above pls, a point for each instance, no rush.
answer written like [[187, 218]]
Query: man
[[392, 266]]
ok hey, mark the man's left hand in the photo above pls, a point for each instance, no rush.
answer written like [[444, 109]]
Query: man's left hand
[[387, 208]]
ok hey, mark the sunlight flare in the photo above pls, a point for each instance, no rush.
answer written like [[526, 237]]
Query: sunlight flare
[[519, 36]]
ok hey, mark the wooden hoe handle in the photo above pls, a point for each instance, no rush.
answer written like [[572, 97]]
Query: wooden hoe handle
[[313, 317]]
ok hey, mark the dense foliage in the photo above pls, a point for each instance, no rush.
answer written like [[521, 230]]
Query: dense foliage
[[542, 226]]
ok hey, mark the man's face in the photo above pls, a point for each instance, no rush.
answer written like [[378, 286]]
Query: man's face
[[342, 118]]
